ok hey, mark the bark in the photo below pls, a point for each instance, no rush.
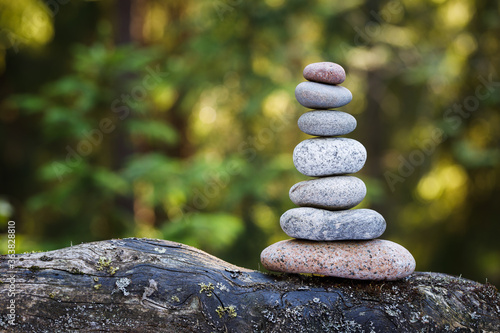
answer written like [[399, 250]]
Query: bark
[[146, 285]]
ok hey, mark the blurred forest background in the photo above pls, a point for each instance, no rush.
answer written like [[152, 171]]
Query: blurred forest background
[[176, 119]]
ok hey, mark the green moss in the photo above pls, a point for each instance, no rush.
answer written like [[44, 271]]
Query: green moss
[[76, 271], [106, 263], [207, 288], [102, 263], [230, 311], [35, 268], [112, 270]]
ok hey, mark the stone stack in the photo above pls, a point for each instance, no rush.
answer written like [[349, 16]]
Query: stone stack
[[330, 238]]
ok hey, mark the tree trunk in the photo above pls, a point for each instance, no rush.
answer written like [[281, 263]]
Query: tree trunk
[[146, 285]]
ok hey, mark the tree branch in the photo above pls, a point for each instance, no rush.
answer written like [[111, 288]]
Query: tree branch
[[146, 285]]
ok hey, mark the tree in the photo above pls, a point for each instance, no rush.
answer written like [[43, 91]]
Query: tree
[[149, 285]]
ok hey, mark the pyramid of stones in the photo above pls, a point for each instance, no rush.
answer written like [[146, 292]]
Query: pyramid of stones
[[330, 238]]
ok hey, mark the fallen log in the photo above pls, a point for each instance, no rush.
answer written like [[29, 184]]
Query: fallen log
[[149, 285]]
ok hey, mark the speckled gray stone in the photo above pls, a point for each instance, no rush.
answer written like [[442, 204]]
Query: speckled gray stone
[[326, 123], [325, 225], [326, 72], [319, 157], [322, 96], [341, 192], [375, 259]]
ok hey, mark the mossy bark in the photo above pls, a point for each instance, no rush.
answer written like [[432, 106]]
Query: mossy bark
[[146, 285]]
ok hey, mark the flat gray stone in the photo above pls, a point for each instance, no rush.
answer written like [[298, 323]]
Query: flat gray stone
[[326, 123], [335, 193], [325, 225], [322, 96], [325, 72], [319, 157]]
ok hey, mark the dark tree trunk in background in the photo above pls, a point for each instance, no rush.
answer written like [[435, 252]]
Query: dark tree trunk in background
[[371, 127], [123, 18], [146, 285], [122, 148]]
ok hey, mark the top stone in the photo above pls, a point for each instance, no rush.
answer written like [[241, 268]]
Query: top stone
[[324, 72]]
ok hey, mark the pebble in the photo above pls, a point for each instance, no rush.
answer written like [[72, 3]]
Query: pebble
[[322, 96], [340, 192], [327, 123], [318, 157], [363, 260], [324, 225], [325, 72]]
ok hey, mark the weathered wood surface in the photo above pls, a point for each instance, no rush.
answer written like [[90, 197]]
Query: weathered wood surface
[[146, 285]]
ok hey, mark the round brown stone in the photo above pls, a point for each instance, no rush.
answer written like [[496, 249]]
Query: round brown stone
[[363, 260], [324, 72]]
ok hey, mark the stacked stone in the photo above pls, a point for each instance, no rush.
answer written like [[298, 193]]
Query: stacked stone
[[331, 238]]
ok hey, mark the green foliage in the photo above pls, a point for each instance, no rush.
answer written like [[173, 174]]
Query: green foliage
[[153, 131], [213, 232]]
